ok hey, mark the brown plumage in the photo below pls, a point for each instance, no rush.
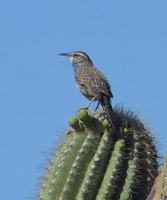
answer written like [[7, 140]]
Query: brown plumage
[[91, 82]]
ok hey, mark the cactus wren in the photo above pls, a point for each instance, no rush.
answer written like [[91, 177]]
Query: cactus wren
[[91, 82]]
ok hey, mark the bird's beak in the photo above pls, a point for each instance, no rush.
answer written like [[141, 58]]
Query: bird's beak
[[65, 54]]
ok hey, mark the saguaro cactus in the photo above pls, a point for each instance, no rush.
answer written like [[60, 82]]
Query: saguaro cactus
[[92, 163]]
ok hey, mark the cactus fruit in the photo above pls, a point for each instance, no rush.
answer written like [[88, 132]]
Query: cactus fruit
[[95, 164]]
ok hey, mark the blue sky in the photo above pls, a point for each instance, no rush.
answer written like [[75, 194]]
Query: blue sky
[[127, 41]]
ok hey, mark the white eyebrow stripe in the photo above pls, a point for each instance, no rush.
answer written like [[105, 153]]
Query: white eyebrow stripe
[[81, 54]]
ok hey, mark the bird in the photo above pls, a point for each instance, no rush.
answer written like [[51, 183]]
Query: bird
[[92, 83]]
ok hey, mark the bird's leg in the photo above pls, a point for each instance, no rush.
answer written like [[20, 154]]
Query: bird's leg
[[95, 111], [90, 102], [97, 106], [87, 107]]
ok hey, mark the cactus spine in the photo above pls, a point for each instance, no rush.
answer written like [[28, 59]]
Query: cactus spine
[[94, 164]]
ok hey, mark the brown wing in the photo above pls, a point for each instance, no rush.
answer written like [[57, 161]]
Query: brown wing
[[101, 83], [92, 83]]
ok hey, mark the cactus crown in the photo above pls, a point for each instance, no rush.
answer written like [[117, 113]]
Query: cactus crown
[[94, 164]]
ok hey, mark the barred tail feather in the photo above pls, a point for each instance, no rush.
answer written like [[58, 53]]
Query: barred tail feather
[[106, 104]]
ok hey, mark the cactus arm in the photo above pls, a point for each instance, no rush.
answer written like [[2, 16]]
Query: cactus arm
[[92, 163]]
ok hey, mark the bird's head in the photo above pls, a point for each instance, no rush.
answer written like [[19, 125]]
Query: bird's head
[[78, 58]]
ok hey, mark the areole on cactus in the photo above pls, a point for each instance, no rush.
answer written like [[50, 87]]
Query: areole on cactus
[[92, 163]]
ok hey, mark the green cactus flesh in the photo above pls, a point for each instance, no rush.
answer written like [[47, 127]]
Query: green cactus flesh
[[93, 163]]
